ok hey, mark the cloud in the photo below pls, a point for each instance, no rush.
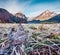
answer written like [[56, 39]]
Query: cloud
[[14, 6], [38, 9], [28, 7]]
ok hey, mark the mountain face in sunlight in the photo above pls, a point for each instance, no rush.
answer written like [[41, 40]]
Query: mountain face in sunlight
[[45, 15], [55, 19], [6, 17], [20, 15]]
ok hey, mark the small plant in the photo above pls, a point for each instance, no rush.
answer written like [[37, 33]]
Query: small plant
[[32, 27], [0, 32], [55, 37], [37, 46], [48, 43]]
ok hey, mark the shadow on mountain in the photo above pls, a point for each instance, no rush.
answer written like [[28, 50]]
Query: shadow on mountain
[[55, 19], [6, 17]]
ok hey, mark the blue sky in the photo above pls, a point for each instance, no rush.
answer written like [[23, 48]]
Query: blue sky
[[30, 8]]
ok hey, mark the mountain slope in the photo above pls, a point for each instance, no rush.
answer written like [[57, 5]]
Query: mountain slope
[[6, 17], [55, 19], [45, 15], [20, 15]]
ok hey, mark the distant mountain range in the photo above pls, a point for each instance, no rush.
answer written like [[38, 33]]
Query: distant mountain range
[[46, 16], [55, 19], [6, 17]]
